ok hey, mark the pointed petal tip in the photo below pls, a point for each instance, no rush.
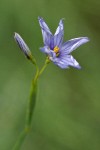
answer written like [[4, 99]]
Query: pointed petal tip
[[61, 23], [85, 39], [15, 33], [39, 18], [61, 20], [82, 39], [76, 64], [78, 67]]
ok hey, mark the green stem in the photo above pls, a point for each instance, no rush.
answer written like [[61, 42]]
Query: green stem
[[31, 106], [45, 65], [33, 93], [29, 113], [32, 102], [20, 140]]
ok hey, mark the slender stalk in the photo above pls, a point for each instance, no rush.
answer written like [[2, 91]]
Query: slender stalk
[[20, 140], [32, 102], [45, 65], [33, 93], [29, 113], [31, 105]]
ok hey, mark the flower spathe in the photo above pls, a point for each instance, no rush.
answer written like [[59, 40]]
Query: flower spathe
[[57, 51]]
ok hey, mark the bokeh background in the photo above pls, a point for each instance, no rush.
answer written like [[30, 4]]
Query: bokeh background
[[67, 113]]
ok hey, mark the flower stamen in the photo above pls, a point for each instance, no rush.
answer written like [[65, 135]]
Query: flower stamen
[[56, 50]]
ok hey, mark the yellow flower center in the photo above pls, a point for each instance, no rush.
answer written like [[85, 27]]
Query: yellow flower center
[[56, 50]]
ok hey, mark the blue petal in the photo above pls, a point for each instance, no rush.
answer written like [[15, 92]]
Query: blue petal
[[46, 33], [48, 52], [60, 27], [45, 49], [58, 36], [65, 62], [72, 44]]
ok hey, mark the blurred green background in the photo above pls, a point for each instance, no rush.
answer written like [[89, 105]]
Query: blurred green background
[[67, 113]]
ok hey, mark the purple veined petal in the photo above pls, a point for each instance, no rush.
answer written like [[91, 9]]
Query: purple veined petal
[[45, 49], [60, 27], [46, 33], [48, 52], [72, 62], [52, 43], [44, 25], [66, 61], [58, 36], [60, 62], [72, 44]]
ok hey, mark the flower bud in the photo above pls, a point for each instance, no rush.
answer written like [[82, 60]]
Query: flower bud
[[22, 45]]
